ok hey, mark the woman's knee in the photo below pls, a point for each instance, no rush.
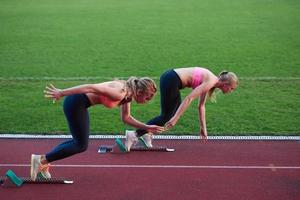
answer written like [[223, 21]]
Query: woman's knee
[[165, 118], [81, 147]]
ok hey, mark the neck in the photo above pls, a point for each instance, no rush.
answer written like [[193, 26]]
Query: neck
[[218, 84], [129, 92]]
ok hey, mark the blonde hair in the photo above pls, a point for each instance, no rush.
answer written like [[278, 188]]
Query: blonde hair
[[224, 76], [142, 85], [228, 77]]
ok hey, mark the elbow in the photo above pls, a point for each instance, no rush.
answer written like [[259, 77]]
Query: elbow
[[86, 88], [201, 107], [125, 118], [202, 110]]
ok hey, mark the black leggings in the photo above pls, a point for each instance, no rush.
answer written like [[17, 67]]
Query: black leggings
[[170, 99], [76, 112]]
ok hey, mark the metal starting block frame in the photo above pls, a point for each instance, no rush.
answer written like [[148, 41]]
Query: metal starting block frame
[[108, 148], [119, 145], [12, 180]]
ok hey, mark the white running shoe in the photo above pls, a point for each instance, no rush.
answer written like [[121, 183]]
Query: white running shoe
[[145, 141], [130, 139], [35, 164]]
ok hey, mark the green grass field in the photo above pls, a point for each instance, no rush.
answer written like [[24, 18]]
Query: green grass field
[[53, 41]]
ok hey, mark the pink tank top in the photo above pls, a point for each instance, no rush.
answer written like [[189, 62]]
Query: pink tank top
[[197, 77]]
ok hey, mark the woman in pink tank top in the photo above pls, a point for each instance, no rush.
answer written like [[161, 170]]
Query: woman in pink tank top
[[201, 80]]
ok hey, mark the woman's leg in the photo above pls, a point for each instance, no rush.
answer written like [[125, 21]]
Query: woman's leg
[[75, 109], [170, 99]]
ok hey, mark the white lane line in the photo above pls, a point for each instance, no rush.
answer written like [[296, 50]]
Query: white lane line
[[165, 166]]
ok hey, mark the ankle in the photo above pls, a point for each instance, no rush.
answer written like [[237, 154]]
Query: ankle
[[44, 160]]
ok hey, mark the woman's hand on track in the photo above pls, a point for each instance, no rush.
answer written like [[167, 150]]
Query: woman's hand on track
[[203, 134]]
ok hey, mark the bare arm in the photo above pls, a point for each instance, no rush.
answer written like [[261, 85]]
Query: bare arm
[[128, 119], [199, 91], [202, 116], [108, 89]]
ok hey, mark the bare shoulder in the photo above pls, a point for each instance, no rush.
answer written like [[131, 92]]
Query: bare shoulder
[[190, 70], [184, 70], [209, 75], [119, 84], [116, 84], [112, 89]]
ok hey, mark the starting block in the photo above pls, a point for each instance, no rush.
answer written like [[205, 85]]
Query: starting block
[[11, 179], [107, 148], [122, 148]]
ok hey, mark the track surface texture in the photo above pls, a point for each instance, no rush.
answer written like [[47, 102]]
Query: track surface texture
[[215, 169]]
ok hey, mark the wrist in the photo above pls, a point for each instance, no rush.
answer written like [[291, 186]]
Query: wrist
[[146, 127], [61, 93], [175, 118]]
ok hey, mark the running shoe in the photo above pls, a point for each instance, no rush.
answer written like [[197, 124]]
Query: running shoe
[[145, 141], [130, 139], [35, 166]]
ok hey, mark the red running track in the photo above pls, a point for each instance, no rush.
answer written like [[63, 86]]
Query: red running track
[[216, 169]]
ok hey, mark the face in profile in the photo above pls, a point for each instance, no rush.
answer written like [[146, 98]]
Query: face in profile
[[144, 97], [227, 87]]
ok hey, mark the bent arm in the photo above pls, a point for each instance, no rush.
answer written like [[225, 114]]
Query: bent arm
[[199, 91], [128, 119]]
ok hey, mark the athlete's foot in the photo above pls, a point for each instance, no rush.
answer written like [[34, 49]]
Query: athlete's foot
[[35, 164], [145, 141], [130, 139]]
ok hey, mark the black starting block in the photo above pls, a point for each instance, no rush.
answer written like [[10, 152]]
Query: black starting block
[[120, 147], [11, 179], [107, 148]]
